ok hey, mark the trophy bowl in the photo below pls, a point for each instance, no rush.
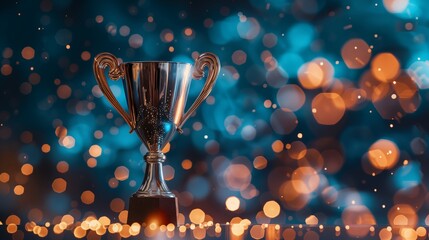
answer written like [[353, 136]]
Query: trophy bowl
[[156, 95]]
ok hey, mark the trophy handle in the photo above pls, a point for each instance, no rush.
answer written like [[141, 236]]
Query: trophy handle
[[101, 62], [204, 60]]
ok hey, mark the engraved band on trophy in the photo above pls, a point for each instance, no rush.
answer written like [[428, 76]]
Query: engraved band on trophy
[[156, 94]]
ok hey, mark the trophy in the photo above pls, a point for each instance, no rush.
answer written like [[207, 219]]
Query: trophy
[[156, 94]]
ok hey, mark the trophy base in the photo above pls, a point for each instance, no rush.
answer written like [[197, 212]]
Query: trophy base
[[158, 210]]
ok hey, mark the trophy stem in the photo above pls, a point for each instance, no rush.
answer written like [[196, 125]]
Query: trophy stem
[[153, 182], [153, 202]]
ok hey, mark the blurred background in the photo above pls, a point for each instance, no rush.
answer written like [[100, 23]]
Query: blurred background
[[319, 114]]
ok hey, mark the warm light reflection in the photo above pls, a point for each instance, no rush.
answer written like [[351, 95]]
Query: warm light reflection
[[383, 154]]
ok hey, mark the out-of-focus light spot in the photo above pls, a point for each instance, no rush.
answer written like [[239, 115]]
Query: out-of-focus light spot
[[46, 148], [68, 142], [328, 108], [85, 56], [421, 231], [95, 150], [356, 215], [383, 154], [419, 72], [135, 41], [13, 219], [122, 173], [27, 169], [4, 177], [395, 6], [257, 232], [232, 203], [87, 197], [12, 228], [62, 167], [283, 121], [402, 215], [186, 164], [291, 96], [249, 29], [117, 205], [197, 216], [64, 91], [297, 150], [168, 172], [237, 229], [167, 36], [59, 185], [27, 53], [260, 162], [312, 220], [239, 57], [305, 180], [385, 67], [385, 234], [6, 70], [271, 209], [166, 148], [78, 232], [237, 177], [91, 162], [356, 53], [277, 146], [315, 74], [18, 190]]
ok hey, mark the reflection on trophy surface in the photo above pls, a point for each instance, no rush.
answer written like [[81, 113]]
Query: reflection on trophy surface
[[156, 96]]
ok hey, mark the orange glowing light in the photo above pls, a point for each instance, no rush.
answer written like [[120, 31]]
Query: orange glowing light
[[27, 53], [46, 148], [232, 203], [395, 6], [297, 150], [13, 219], [260, 162], [87, 197], [385, 67], [271, 209], [186, 164], [328, 108], [277, 146], [4, 177], [95, 151], [18, 190], [85, 55], [168, 172], [79, 232], [356, 53], [91, 162], [6, 70], [27, 169], [315, 74], [64, 91], [188, 32], [305, 180], [383, 154], [402, 215], [197, 216], [59, 185], [237, 176], [62, 167], [312, 220], [12, 228], [122, 173]]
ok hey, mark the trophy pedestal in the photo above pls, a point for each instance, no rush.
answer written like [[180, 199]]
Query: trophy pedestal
[[159, 210]]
